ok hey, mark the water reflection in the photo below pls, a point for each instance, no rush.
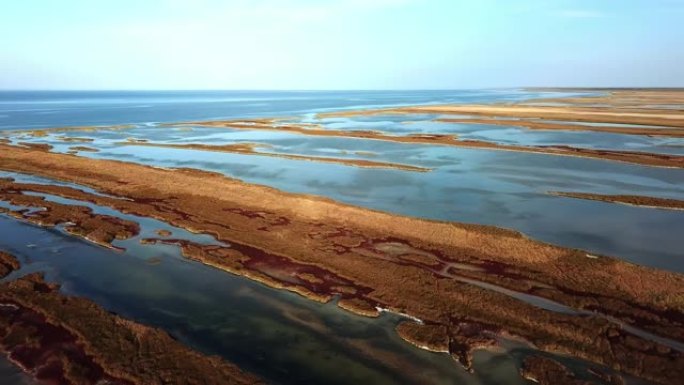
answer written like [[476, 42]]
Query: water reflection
[[277, 334], [489, 187], [12, 375]]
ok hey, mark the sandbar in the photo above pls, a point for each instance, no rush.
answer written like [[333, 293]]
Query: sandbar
[[249, 149], [549, 126], [317, 130], [634, 157], [632, 200], [650, 117]]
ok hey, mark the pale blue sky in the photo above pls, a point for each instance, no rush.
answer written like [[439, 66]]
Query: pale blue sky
[[339, 44]]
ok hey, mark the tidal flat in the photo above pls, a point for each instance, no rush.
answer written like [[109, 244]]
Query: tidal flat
[[324, 257]]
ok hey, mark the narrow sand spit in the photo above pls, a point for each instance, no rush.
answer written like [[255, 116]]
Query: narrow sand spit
[[632, 200], [634, 157], [642, 116], [551, 126], [250, 149]]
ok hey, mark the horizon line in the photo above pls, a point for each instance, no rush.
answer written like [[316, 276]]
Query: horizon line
[[530, 88]]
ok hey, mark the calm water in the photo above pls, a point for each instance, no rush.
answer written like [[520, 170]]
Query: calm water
[[30, 109], [279, 335], [505, 189], [11, 375]]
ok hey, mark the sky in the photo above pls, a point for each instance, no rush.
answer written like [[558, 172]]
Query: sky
[[340, 44]]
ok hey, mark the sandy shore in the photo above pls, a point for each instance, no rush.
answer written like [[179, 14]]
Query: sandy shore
[[397, 263]]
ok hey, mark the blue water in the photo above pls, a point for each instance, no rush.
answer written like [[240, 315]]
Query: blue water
[[33, 109], [497, 188], [249, 324], [279, 335]]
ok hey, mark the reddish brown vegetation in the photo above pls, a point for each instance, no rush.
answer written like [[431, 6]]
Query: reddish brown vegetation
[[77, 220], [72, 341], [395, 262], [8, 263], [429, 337], [547, 371]]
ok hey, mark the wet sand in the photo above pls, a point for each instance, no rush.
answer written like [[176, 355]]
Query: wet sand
[[632, 200], [70, 340], [390, 262], [249, 149]]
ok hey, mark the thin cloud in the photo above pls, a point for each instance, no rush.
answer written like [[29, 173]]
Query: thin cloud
[[580, 14]]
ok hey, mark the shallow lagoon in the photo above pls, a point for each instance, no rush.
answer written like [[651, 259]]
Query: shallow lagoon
[[276, 334], [406, 124], [498, 188], [280, 335]]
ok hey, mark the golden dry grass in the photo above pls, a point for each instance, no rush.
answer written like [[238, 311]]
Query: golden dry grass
[[348, 246]]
